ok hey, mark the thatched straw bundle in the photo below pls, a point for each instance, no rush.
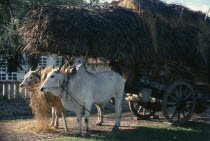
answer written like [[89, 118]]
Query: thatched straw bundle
[[153, 36]]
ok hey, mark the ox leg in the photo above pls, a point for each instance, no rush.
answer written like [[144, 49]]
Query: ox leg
[[118, 110], [79, 120], [56, 117], [87, 115], [100, 115], [64, 120], [53, 117]]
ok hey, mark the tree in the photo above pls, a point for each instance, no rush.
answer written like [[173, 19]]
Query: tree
[[11, 15]]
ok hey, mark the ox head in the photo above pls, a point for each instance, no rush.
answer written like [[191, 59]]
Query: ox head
[[31, 78], [53, 82]]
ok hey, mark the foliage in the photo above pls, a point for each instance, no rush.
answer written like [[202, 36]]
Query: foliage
[[11, 15]]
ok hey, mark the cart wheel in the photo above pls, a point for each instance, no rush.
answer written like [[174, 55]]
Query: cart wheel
[[178, 102], [140, 111]]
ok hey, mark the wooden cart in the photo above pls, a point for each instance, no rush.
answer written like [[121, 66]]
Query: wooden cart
[[179, 92]]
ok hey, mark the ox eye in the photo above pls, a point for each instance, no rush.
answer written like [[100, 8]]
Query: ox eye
[[52, 76], [31, 77]]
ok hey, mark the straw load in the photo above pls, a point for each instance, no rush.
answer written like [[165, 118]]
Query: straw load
[[153, 35]]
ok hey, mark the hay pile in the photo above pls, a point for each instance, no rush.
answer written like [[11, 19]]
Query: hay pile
[[155, 35], [132, 4], [36, 126], [41, 105]]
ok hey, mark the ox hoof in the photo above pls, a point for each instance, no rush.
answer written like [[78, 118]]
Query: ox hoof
[[56, 127], [87, 135], [115, 128], [78, 135], [99, 123]]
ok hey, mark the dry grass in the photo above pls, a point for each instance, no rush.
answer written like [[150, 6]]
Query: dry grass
[[37, 126], [41, 104]]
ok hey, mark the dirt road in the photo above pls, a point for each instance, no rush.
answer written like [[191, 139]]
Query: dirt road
[[9, 130]]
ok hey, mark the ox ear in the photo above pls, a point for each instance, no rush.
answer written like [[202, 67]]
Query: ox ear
[[53, 67]]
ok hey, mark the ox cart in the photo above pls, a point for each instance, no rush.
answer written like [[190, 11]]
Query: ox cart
[[131, 40], [176, 90]]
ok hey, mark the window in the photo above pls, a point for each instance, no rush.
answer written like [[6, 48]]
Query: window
[[43, 61], [3, 63], [58, 60], [12, 76], [2, 76]]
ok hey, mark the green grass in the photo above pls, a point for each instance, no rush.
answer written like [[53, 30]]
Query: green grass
[[190, 132]]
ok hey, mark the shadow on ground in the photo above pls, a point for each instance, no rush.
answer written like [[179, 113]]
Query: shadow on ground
[[193, 131]]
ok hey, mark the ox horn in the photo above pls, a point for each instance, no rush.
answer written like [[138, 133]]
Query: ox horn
[[38, 69], [31, 68]]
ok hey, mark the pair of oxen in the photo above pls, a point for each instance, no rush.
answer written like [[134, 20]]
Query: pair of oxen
[[78, 90]]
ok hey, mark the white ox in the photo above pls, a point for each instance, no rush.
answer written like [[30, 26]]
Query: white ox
[[81, 89]]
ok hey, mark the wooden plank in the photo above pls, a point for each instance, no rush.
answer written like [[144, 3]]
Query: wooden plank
[[27, 95], [12, 91], [31, 94], [22, 93], [17, 91], [5, 91], [1, 90]]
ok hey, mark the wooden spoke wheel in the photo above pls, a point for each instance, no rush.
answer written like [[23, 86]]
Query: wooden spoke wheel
[[140, 111], [178, 102]]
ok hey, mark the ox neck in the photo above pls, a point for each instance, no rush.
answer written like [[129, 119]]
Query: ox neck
[[65, 81]]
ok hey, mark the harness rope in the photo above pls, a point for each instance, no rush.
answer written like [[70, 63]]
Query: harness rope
[[66, 83]]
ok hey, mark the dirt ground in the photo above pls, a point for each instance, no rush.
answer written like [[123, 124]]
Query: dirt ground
[[9, 131]]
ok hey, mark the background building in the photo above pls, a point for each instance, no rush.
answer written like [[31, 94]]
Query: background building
[[92, 66], [19, 75]]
